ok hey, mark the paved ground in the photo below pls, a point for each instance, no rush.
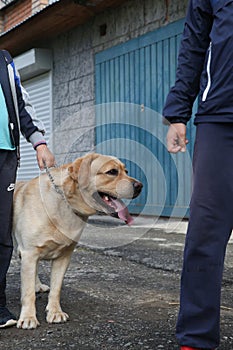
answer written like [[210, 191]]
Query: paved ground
[[121, 291]]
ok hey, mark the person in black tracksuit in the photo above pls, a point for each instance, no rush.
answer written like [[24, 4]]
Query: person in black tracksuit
[[16, 114], [205, 69]]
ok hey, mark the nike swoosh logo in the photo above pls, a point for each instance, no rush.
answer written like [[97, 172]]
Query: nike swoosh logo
[[11, 187]]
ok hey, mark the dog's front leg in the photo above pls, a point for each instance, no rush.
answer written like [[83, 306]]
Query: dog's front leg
[[27, 319], [54, 311], [40, 287]]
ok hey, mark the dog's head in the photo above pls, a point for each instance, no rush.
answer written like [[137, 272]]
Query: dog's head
[[98, 183]]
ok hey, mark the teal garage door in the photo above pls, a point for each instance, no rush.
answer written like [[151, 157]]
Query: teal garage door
[[132, 82]]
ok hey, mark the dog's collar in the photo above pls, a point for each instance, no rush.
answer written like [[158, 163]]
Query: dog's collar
[[61, 193]]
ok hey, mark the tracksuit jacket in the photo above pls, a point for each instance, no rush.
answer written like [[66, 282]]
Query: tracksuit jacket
[[21, 113], [205, 65]]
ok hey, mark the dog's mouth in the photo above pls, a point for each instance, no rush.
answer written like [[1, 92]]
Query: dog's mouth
[[114, 206]]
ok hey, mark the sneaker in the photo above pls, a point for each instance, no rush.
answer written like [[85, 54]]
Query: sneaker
[[7, 319]]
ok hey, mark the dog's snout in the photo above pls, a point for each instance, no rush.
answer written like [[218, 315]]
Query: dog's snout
[[137, 186]]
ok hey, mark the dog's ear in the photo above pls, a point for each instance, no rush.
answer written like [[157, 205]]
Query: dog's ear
[[73, 169], [79, 170]]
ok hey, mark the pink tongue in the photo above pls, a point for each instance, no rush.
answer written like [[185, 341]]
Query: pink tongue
[[123, 212], [124, 215]]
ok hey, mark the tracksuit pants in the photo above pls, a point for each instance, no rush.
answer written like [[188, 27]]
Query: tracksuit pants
[[8, 167], [210, 226]]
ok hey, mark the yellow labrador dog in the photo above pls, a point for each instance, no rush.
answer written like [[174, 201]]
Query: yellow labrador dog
[[50, 213]]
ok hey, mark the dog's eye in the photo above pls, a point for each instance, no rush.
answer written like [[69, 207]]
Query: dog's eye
[[113, 172]]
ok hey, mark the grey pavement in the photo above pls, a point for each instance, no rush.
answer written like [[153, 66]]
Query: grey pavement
[[142, 238], [121, 290]]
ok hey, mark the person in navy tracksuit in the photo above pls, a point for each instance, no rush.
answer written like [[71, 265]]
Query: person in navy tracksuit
[[205, 69], [16, 114]]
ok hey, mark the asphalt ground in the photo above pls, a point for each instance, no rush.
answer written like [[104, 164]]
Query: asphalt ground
[[121, 291]]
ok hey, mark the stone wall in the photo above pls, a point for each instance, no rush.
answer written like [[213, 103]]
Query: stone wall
[[73, 71]]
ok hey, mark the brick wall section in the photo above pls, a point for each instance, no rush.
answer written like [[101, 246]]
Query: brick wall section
[[19, 11], [16, 13], [73, 73]]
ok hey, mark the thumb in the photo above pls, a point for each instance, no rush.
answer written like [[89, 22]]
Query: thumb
[[183, 142]]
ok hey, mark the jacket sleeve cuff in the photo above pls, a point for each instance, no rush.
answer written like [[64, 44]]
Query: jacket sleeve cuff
[[37, 139], [173, 120]]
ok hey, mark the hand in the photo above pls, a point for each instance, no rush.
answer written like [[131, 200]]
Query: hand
[[176, 138], [44, 156]]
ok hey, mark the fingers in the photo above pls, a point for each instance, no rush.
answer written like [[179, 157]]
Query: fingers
[[44, 157], [176, 138]]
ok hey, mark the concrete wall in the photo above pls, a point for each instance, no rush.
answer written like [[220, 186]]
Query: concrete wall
[[73, 71]]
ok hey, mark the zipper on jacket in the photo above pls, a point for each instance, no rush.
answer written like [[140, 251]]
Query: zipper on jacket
[[205, 93], [11, 129]]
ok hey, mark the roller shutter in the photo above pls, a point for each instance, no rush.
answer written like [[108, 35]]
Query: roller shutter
[[39, 89]]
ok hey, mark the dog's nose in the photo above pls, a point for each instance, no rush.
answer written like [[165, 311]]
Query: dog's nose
[[137, 188]]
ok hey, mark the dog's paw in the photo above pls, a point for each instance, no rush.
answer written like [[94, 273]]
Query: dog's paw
[[56, 317], [28, 323], [42, 288]]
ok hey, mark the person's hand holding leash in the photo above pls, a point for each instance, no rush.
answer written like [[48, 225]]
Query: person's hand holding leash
[[176, 138], [44, 156]]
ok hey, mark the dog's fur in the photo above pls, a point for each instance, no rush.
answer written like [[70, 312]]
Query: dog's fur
[[48, 222]]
